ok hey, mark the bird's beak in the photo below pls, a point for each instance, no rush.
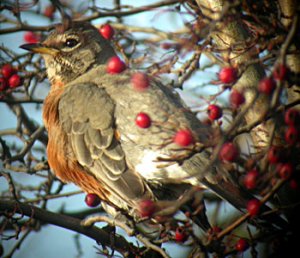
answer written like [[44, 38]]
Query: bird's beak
[[39, 48]]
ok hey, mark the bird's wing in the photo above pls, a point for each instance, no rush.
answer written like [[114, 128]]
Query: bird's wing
[[86, 114]]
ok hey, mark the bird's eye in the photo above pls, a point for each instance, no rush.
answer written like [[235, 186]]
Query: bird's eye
[[71, 42]]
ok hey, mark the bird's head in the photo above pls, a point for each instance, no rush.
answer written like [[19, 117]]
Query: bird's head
[[71, 49]]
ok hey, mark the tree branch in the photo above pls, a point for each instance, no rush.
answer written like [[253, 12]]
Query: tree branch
[[96, 14], [226, 35], [100, 236]]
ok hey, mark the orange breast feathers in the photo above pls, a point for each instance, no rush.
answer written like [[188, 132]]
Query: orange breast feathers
[[60, 156]]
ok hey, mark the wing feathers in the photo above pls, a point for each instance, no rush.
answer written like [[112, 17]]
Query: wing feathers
[[114, 151], [81, 150], [86, 114], [95, 136], [79, 127], [114, 168]]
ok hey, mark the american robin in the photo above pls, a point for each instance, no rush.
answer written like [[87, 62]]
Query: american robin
[[93, 139]]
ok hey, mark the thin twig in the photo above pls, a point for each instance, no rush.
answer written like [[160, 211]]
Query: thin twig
[[27, 147], [18, 244], [130, 231], [247, 215]]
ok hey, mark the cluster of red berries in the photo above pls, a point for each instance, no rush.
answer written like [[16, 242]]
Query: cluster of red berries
[[227, 75], [140, 82], [10, 77], [276, 157], [114, 65], [276, 154], [284, 171], [292, 121]]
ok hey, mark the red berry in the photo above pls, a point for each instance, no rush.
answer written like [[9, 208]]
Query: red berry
[[236, 98], [292, 116], [142, 120], [92, 200], [167, 46], [294, 184], [280, 72], [216, 229], [274, 155], [250, 179], [241, 245], [229, 152], [147, 208], [266, 85], [228, 75], [7, 70], [107, 31], [183, 137], [207, 121], [291, 135], [49, 11], [115, 65], [253, 207], [3, 84], [140, 81], [31, 37], [180, 235], [285, 170], [214, 112], [14, 81]]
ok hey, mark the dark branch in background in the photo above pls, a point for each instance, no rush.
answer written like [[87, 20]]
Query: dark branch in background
[[22, 101], [35, 135], [132, 11], [27, 122], [115, 242], [95, 15]]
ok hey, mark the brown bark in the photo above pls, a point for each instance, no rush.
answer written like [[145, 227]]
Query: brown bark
[[288, 9], [232, 36], [116, 242]]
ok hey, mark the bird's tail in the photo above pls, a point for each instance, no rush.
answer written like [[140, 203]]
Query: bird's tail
[[238, 197], [221, 181]]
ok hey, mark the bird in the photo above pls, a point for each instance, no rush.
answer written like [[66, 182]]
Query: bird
[[94, 141]]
